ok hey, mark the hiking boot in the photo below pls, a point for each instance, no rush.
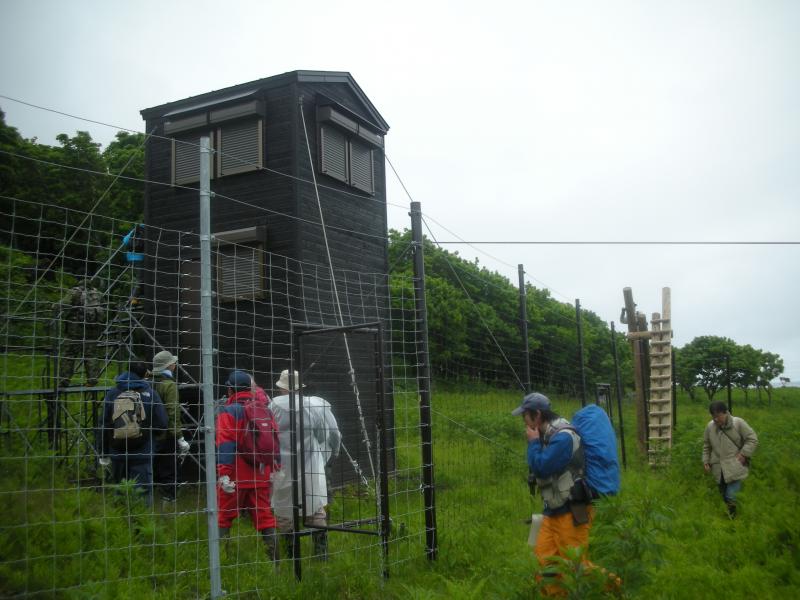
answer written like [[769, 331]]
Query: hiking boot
[[320, 539], [731, 509]]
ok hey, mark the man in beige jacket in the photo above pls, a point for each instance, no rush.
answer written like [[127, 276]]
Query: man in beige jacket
[[728, 444]]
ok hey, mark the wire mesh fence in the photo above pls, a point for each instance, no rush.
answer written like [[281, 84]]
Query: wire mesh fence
[[78, 315], [87, 297]]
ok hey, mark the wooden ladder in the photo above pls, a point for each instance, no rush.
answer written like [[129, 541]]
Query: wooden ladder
[[660, 406]]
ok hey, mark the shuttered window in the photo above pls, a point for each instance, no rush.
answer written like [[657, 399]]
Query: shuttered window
[[240, 147], [361, 174], [186, 158], [240, 272], [334, 153]]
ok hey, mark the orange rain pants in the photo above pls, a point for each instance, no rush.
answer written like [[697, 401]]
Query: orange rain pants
[[559, 532]]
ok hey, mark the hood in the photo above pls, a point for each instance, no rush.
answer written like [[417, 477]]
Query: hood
[[239, 397], [131, 381]]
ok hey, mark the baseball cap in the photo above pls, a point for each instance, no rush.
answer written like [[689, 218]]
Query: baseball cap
[[239, 380], [533, 401]]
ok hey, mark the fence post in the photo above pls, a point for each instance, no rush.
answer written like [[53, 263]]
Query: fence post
[[728, 375], [580, 350], [619, 393], [523, 321], [423, 381], [380, 422], [674, 391], [207, 351]]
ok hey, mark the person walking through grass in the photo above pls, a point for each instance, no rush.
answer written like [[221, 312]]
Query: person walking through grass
[[243, 485], [555, 457], [728, 444], [172, 448], [133, 415], [321, 442]]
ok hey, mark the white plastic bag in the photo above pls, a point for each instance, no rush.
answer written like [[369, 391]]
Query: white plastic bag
[[536, 525]]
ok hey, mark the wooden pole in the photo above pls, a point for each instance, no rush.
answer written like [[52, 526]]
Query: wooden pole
[[619, 394], [632, 321]]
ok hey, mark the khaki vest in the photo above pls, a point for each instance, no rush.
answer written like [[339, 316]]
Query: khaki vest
[[555, 490]]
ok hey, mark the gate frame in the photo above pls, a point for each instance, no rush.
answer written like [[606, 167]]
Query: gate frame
[[296, 332]]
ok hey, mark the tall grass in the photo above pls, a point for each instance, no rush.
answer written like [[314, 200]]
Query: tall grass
[[667, 535]]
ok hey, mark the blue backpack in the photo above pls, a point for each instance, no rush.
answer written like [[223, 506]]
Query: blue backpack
[[600, 449]]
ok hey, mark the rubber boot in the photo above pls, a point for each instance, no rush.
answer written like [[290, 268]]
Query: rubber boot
[[287, 541], [225, 538], [731, 509], [320, 539], [271, 544]]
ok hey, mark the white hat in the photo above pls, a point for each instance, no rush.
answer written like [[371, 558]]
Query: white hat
[[162, 360], [283, 382]]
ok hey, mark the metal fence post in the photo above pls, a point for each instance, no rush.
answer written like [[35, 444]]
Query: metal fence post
[[580, 350], [296, 453], [728, 383], [523, 321], [674, 391], [207, 381], [424, 382], [619, 393], [380, 422]]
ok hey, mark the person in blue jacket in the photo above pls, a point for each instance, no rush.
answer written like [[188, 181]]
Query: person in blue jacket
[[556, 459], [132, 458]]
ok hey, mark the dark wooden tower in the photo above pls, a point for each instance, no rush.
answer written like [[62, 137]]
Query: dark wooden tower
[[269, 260]]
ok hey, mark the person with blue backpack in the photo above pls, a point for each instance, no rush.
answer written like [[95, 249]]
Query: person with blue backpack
[[573, 463]]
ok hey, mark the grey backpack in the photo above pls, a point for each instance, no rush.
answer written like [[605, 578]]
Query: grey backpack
[[127, 418]]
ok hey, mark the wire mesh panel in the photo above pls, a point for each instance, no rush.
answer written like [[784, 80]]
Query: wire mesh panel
[[90, 303], [86, 318], [84, 513], [343, 464]]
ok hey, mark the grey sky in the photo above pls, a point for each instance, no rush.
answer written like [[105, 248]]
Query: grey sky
[[510, 121]]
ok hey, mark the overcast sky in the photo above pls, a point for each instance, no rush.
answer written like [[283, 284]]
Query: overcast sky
[[521, 121]]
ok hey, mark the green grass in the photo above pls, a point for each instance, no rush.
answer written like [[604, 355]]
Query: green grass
[[667, 534]]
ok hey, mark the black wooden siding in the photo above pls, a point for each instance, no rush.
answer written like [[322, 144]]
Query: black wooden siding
[[253, 334]]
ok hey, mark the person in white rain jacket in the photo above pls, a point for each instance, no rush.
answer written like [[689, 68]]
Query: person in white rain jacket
[[321, 443]]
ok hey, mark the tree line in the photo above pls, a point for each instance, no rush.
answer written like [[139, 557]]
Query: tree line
[[474, 325], [38, 181], [709, 362], [473, 313]]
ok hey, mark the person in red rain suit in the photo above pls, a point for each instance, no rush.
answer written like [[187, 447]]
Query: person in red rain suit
[[242, 486]]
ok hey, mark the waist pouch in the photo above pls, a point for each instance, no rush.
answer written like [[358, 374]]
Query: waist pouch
[[580, 497]]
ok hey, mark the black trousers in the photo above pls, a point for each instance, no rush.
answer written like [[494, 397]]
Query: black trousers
[[165, 468], [138, 469]]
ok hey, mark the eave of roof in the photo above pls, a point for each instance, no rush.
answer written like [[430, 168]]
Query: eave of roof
[[245, 89]]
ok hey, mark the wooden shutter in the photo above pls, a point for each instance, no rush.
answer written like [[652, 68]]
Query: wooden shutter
[[240, 147], [333, 151], [361, 173], [239, 272]]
